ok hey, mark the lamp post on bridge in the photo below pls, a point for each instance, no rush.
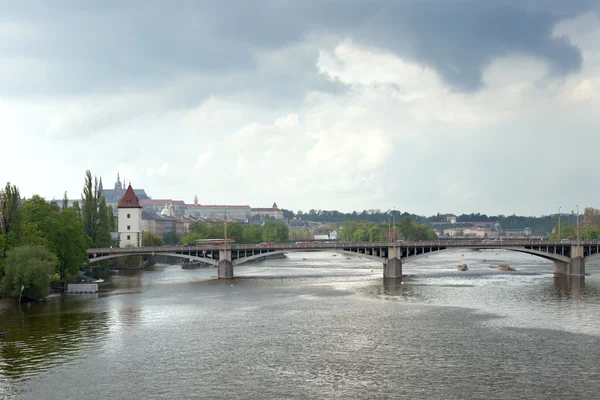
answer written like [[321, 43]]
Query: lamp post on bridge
[[558, 223], [577, 207], [394, 237]]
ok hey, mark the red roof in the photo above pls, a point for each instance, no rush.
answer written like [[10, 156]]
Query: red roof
[[129, 200], [214, 206], [266, 209]]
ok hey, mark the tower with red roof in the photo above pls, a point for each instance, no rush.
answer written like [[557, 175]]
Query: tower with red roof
[[130, 220]]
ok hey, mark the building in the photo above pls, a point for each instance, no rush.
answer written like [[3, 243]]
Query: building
[[267, 213], [451, 218], [158, 205], [199, 211], [113, 196], [130, 220]]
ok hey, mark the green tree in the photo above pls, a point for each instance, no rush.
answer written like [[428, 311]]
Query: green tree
[[252, 234], [567, 231], [31, 267], [171, 238], [103, 235], [150, 239], [361, 235], [94, 213], [61, 232], [11, 211], [275, 231], [588, 233], [65, 202], [71, 244]]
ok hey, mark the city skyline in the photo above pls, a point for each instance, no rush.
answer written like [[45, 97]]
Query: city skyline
[[426, 107]]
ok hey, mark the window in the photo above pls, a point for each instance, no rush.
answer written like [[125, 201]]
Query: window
[[128, 227], [128, 215], [128, 201], [128, 237]]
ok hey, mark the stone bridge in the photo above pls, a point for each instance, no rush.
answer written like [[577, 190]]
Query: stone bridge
[[569, 257]]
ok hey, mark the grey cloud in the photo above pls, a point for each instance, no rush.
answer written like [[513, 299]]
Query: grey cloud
[[106, 46]]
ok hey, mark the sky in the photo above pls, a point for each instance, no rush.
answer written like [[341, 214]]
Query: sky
[[424, 106]]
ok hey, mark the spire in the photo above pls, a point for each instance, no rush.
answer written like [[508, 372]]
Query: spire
[[118, 182], [100, 187], [129, 199], [195, 199], [275, 206]]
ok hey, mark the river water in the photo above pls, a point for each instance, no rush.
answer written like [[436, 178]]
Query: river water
[[314, 326]]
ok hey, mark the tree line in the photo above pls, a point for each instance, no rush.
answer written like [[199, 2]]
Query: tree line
[[41, 241], [404, 229], [269, 231]]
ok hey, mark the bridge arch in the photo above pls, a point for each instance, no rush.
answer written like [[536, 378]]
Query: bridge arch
[[541, 254], [182, 256]]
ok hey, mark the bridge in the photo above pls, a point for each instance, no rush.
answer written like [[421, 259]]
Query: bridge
[[569, 257]]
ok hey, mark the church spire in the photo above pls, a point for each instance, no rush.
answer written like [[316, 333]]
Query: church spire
[[100, 187]]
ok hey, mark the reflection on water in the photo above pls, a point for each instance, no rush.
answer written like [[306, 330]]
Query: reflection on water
[[324, 327]]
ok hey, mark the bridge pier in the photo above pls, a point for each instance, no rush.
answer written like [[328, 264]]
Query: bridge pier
[[225, 264], [393, 267], [574, 267]]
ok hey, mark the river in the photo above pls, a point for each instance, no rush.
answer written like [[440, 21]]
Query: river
[[314, 326]]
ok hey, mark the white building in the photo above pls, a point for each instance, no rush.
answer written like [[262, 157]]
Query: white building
[[270, 212], [321, 237], [241, 213], [451, 218], [130, 220]]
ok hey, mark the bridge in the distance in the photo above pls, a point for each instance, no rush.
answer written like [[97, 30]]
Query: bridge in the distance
[[569, 257]]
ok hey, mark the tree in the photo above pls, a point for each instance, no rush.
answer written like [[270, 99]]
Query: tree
[[588, 233], [61, 232], [274, 231], [151, 240], [567, 231], [103, 235], [65, 202], [31, 267], [71, 244], [94, 213], [171, 238], [252, 234], [11, 213]]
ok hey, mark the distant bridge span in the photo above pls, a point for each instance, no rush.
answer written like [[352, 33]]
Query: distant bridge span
[[569, 257]]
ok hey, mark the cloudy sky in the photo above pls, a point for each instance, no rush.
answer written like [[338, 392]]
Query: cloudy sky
[[423, 105]]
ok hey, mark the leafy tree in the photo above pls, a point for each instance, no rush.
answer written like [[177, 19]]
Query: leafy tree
[[171, 238], [71, 244], [31, 267], [274, 231], [103, 238], [65, 202], [588, 233], [567, 231], [111, 218], [11, 213], [150, 239], [361, 235], [94, 213], [252, 234]]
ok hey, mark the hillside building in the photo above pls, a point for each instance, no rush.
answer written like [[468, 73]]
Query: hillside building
[[130, 220]]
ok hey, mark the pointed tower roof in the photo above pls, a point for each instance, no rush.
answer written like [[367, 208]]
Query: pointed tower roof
[[100, 187], [275, 206], [129, 199]]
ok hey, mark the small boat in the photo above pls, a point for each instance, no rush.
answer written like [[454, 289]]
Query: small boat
[[348, 258], [99, 280], [2, 334]]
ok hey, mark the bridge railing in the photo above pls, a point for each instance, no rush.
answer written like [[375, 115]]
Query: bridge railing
[[341, 245]]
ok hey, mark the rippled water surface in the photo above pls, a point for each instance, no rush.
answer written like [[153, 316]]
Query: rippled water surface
[[314, 325]]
